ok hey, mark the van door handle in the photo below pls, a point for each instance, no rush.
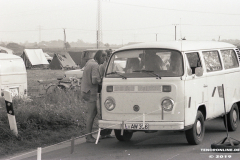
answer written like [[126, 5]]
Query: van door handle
[[205, 85]]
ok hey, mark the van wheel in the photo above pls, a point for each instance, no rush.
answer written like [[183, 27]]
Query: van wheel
[[196, 133], [232, 118], [125, 137]]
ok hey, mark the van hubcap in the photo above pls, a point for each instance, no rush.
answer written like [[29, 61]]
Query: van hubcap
[[234, 116], [199, 127]]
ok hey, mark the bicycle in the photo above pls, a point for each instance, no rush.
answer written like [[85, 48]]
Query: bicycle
[[65, 84]]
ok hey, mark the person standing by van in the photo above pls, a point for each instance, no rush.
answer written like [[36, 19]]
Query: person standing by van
[[105, 133], [89, 89]]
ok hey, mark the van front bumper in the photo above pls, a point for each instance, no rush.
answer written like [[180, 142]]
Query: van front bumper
[[151, 125]]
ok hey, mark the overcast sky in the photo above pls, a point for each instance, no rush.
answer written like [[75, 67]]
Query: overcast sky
[[123, 21]]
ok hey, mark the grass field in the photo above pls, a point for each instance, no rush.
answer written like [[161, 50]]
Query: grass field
[[33, 75], [45, 120]]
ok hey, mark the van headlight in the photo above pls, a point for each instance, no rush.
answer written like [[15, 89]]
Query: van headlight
[[167, 104], [109, 103]]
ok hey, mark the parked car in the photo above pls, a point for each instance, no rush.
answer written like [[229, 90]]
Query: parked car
[[74, 73], [49, 58]]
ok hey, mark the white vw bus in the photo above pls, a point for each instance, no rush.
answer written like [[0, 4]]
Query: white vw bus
[[170, 86]]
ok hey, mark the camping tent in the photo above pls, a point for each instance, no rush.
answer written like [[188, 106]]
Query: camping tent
[[34, 58], [5, 50], [76, 56], [62, 61]]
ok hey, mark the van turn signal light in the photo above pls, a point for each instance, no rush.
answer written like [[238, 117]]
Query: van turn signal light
[[109, 88], [166, 88]]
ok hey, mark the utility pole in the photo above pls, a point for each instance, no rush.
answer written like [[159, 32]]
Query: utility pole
[[175, 31], [99, 25], [65, 40], [97, 39], [40, 33], [156, 37]]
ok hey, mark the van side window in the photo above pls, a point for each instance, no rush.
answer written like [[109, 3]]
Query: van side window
[[229, 58], [212, 61], [194, 61]]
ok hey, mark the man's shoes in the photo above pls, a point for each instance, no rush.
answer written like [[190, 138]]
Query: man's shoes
[[90, 140], [107, 136]]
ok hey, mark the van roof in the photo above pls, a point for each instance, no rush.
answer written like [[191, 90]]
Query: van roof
[[8, 56], [181, 45]]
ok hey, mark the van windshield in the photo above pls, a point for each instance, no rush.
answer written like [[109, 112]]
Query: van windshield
[[145, 63]]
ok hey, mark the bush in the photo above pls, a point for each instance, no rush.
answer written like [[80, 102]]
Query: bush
[[42, 121]]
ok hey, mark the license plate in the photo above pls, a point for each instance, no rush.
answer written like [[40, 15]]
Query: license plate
[[14, 91], [137, 126]]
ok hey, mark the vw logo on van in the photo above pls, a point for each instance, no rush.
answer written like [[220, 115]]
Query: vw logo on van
[[136, 108]]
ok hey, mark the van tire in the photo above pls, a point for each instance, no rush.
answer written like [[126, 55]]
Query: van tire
[[232, 118], [195, 135], [125, 137]]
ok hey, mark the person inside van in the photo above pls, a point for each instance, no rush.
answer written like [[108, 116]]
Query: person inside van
[[175, 64], [152, 61], [133, 64]]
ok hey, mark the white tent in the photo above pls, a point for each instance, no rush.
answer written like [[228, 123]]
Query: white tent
[[34, 57], [5, 50]]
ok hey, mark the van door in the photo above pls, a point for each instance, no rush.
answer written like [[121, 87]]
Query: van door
[[195, 90], [215, 79]]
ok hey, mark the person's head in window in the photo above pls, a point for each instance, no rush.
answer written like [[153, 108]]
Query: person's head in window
[[152, 61], [133, 64]]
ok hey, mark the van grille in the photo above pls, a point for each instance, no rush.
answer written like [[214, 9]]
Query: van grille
[[237, 50], [138, 88], [124, 88]]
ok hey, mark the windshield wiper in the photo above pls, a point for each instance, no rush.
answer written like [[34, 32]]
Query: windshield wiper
[[148, 71], [123, 77]]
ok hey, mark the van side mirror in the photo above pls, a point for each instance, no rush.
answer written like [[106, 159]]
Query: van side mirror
[[199, 71]]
